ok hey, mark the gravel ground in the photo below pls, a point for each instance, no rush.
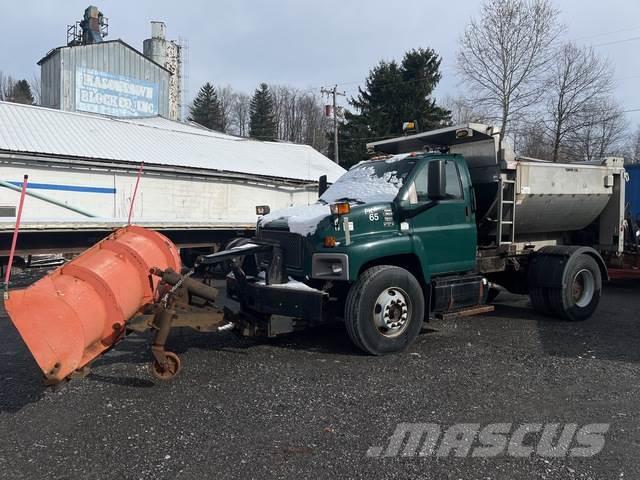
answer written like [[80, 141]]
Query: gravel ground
[[310, 406]]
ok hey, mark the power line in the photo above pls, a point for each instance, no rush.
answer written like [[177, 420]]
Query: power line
[[604, 34], [614, 42]]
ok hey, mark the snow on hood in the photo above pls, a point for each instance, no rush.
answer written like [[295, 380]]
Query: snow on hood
[[369, 182], [365, 183], [302, 220]]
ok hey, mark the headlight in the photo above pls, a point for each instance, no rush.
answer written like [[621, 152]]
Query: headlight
[[330, 266]]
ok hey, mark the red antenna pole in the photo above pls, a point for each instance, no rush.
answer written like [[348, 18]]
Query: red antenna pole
[[15, 237], [135, 191]]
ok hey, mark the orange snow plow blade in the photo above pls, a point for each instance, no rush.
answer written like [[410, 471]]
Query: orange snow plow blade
[[79, 311]]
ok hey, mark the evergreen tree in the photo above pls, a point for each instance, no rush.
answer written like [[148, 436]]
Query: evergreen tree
[[206, 109], [20, 92], [262, 125], [394, 93]]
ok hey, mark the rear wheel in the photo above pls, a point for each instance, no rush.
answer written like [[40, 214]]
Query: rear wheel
[[578, 295], [384, 310]]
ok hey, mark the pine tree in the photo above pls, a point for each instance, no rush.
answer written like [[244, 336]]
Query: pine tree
[[206, 109], [20, 92], [262, 124], [394, 93]]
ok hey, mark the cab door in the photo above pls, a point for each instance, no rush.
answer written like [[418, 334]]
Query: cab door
[[446, 234]]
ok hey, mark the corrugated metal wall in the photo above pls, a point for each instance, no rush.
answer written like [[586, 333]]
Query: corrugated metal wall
[[111, 57], [50, 81]]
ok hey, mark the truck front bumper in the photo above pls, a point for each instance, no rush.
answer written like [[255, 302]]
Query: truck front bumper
[[294, 300]]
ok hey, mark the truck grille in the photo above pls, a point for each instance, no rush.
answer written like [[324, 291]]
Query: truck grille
[[291, 244]]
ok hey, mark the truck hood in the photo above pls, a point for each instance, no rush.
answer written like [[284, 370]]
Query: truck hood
[[302, 220], [308, 219]]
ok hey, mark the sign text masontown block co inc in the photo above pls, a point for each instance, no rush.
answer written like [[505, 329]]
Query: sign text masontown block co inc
[[115, 95]]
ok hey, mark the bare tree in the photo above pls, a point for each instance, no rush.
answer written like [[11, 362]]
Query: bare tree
[[7, 84], [634, 150], [464, 110], [504, 53], [532, 137], [577, 78], [603, 134], [227, 99], [36, 89], [299, 117], [240, 110]]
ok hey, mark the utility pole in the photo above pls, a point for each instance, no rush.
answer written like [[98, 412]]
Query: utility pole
[[334, 92]]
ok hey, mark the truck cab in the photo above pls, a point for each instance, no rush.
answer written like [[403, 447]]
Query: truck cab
[[383, 209]]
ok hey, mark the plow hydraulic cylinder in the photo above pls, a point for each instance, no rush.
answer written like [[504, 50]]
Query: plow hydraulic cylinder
[[79, 311]]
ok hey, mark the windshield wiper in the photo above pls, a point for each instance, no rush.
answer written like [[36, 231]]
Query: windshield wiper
[[349, 199]]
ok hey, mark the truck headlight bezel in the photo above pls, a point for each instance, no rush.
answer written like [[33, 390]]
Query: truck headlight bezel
[[330, 266]]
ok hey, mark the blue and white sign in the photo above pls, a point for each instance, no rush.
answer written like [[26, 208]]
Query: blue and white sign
[[115, 95]]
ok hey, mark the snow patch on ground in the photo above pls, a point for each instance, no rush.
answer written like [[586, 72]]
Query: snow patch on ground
[[302, 220]]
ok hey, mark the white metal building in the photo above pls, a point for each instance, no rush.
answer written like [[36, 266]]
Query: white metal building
[[191, 174]]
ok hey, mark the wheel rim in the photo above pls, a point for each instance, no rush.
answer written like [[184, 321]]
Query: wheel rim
[[583, 288], [168, 371], [391, 312]]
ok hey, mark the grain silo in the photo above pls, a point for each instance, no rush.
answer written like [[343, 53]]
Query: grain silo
[[167, 53]]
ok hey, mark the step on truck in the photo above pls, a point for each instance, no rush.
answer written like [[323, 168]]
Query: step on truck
[[435, 224]]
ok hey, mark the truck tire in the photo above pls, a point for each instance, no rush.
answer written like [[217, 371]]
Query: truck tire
[[248, 263], [578, 295], [384, 310]]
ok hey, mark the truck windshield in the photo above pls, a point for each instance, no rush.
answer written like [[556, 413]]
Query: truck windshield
[[372, 181]]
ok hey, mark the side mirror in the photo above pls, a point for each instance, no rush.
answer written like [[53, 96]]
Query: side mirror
[[322, 185], [437, 187]]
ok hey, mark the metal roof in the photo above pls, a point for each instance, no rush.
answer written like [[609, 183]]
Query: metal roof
[[156, 141], [94, 45]]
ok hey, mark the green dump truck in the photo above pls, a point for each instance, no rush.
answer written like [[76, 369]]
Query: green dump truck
[[435, 224]]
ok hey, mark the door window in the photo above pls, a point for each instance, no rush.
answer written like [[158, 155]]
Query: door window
[[420, 192], [422, 185], [454, 189]]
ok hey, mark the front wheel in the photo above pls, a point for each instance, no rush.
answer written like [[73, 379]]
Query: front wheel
[[384, 310]]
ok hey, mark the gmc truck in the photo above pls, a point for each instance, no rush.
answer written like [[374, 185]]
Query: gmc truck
[[437, 223]]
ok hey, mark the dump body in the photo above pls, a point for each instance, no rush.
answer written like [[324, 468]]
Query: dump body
[[79, 310], [554, 197], [550, 198]]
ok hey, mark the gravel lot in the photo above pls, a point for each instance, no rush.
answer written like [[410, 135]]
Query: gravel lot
[[310, 406]]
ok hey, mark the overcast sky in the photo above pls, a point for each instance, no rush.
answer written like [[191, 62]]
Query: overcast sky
[[309, 44]]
